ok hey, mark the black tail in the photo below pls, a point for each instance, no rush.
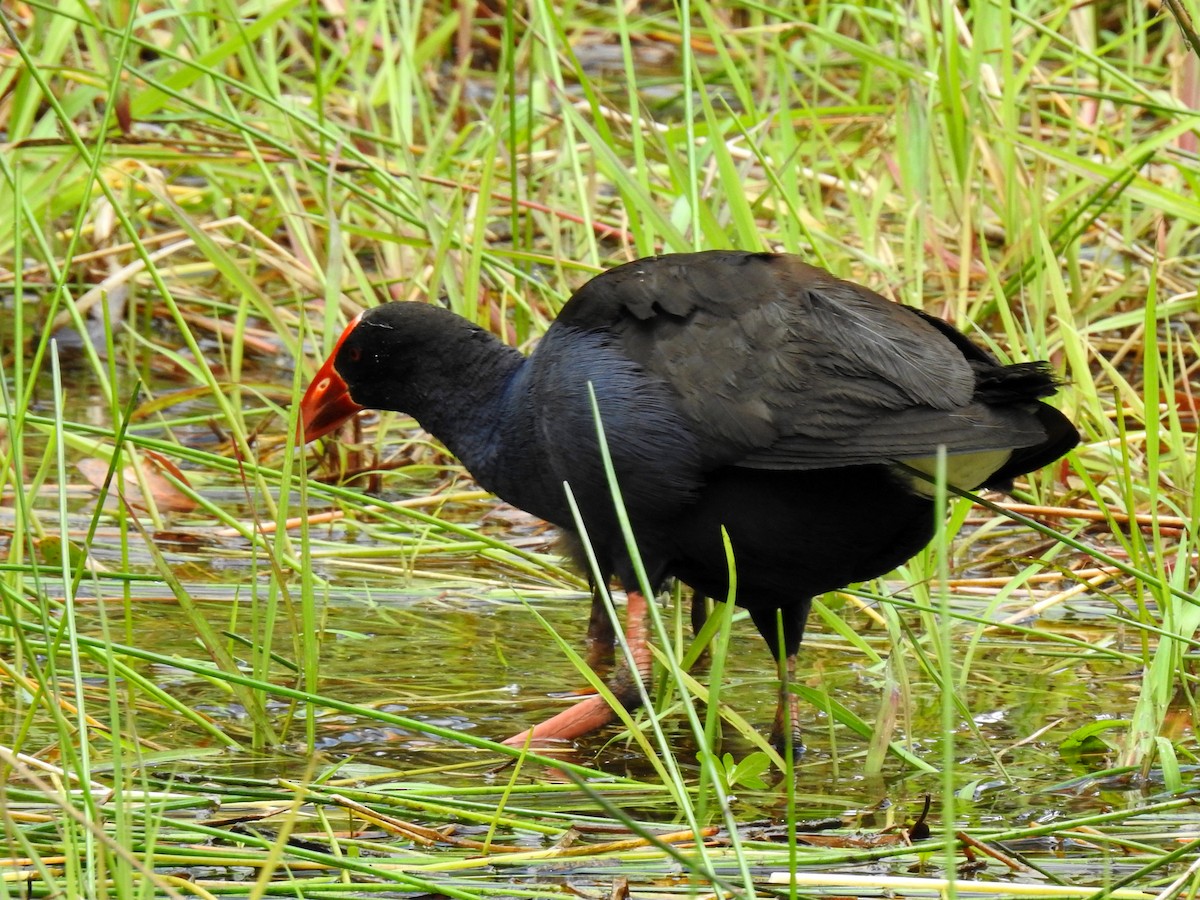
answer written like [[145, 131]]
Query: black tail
[[1017, 383]]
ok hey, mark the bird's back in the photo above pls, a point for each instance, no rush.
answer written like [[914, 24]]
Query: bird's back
[[754, 398], [772, 363]]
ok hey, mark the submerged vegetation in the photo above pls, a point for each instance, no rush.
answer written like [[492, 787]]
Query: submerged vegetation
[[229, 668]]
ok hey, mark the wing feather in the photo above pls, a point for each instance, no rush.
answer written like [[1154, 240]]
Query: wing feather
[[778, 364]]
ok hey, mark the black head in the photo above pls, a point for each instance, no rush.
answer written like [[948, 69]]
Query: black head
[[375, 363]]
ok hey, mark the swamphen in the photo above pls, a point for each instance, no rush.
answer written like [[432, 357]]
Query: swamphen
[[744, 391]]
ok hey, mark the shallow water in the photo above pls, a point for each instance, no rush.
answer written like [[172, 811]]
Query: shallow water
[[450, 639], [473, 658]]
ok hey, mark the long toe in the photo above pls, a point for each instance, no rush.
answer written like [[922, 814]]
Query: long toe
[[593, 713], [583, 718]]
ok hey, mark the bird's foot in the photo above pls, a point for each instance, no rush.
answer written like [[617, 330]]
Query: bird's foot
[[781, 743], [584, 717], [593, 713], [588, 715]]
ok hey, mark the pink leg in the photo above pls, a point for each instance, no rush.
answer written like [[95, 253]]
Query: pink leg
[[593, 713]]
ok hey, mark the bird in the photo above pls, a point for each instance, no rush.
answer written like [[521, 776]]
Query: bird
[[741, 394]]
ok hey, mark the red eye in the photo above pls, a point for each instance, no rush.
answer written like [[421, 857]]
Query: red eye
[[355, 354]]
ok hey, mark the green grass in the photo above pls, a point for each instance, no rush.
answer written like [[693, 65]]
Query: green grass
[[196, 197]]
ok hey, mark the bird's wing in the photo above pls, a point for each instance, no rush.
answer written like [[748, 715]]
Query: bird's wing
[[777, 364]]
